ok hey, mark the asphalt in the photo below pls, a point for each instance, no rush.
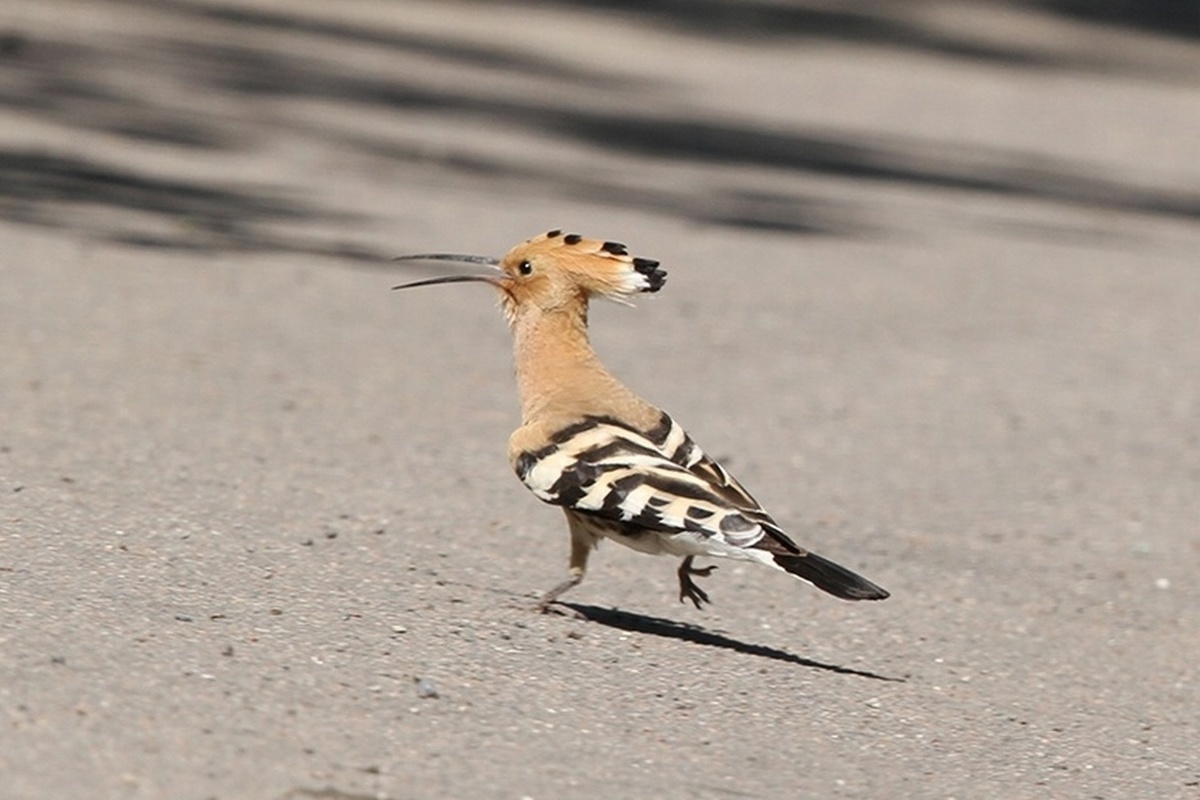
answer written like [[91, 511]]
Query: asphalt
[[933, 298]]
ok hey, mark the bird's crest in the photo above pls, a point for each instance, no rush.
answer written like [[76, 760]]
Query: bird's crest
[[556, 270], [598, 267]]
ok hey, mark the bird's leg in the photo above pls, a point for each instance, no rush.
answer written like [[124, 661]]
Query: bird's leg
[[549, 601], [688, 590], [581, 547]]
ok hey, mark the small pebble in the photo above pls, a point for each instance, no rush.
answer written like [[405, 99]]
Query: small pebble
[[425, 689], [1163, 583]]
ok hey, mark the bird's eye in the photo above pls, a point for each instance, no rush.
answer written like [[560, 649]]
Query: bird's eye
[[525, 268]]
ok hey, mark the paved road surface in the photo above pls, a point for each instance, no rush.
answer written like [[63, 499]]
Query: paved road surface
[[933, 295]]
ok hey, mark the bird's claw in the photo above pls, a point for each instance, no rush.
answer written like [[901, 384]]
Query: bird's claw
[[688, 590], [555, 607]]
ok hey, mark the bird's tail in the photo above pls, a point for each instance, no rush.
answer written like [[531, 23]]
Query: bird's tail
[[830, 577]]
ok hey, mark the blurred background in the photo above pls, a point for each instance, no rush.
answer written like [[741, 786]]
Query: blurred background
[[289, 127]]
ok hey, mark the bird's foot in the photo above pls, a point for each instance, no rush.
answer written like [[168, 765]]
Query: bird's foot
[[688, 590], [561, 609], [549, 603]]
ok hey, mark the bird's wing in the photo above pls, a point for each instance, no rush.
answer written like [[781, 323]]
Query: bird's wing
[[657, 480], [679, 448]]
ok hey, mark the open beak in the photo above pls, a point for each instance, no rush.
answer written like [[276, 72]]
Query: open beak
[[491, 262]]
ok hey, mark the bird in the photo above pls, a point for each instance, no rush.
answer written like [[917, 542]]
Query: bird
[[619, 467]]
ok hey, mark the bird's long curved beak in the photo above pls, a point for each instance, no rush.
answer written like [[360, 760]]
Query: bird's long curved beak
[[450, 279], [468, 259]]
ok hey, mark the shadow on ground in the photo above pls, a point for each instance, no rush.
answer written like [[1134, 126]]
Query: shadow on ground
[[657, 626], [48, 190], [1172, 17]]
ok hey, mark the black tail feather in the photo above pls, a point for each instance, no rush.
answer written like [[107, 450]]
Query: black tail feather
[[830, 577]]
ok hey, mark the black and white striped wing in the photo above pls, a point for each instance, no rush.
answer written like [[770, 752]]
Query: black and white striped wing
[[659, 481]]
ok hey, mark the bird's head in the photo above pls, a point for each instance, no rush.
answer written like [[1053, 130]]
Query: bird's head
[[554, 271]]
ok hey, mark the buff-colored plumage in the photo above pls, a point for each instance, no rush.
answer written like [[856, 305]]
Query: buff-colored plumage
[[618, 466]]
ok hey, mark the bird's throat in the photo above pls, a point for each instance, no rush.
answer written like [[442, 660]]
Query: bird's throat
[[559, 375]]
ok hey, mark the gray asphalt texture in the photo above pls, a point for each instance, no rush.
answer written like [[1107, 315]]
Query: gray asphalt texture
[[934, 298]]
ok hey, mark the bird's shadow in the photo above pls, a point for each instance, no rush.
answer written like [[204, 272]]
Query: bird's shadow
[[657, 626]]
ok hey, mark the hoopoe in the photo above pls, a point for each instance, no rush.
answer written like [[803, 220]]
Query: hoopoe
[[619, 467]]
